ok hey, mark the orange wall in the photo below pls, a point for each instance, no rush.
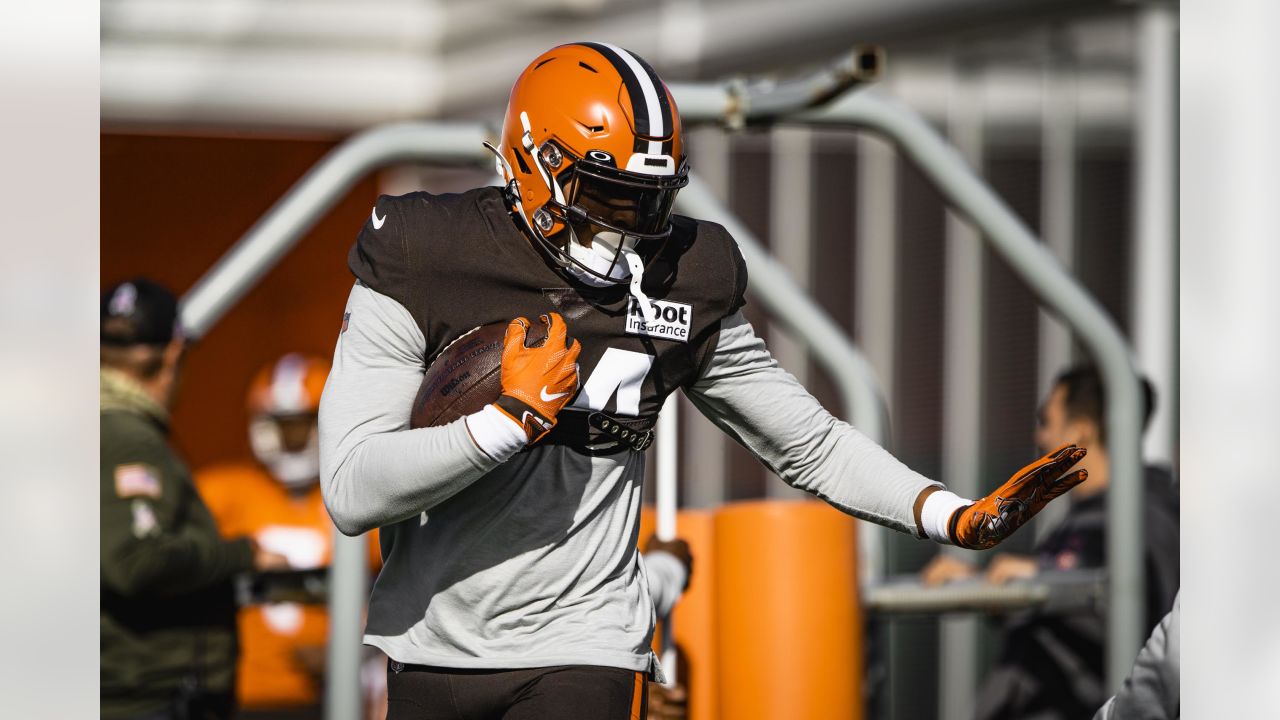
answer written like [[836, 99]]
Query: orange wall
[[171, 206]]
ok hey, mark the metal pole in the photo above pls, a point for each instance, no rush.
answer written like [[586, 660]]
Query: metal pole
[[876, 287], [962, 384], [1050, 591], [347, 596], [667, 502], [1058, 220], [735, 102], [1057, 194], [1060, 291], [294, 214], [1155, 253]]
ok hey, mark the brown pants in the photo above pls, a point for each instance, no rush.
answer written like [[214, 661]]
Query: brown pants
[[417, 692]]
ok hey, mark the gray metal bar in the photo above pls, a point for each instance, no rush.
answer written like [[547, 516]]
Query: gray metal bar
[[877, 255], [309, 198], [963, 386], [1058, 193], [770, 100], [1051, 592], [347, 596], [1063, 294], [1058, 141], [1155, 219], [876, 286]]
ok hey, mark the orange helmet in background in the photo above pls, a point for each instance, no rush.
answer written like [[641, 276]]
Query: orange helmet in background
[[283, 402], [591, 143]]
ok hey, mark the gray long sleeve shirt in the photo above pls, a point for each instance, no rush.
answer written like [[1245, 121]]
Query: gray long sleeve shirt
[[532, 562]]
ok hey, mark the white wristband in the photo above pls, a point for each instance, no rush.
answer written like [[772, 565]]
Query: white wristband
[[495, 433], [935, 516]]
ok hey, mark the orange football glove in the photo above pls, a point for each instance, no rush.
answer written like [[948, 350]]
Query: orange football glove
[[537, 382], [989, 520]]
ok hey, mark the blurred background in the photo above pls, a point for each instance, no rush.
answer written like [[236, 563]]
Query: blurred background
[[211, 110]]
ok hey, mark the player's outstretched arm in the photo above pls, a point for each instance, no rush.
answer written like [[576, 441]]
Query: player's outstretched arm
[[743, 391], [374, 471], [985, 522]]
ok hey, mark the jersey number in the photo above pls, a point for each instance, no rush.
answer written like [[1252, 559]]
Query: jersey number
[[621, 372]]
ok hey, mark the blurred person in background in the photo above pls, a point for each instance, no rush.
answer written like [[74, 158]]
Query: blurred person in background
[[168, 636], [275, 499], [1050, 666]]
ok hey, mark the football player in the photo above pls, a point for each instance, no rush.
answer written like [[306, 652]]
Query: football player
[[511, 586], [275, 499]]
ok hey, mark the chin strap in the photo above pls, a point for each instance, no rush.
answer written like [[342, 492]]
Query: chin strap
[[637, 276]]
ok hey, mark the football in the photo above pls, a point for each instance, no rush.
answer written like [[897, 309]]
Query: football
[[466, 375]]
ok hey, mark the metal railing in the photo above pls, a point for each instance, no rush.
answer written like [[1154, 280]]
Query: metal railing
[[1057, 591]]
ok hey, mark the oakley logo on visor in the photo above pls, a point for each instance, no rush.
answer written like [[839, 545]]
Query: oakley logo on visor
[[601, 156]]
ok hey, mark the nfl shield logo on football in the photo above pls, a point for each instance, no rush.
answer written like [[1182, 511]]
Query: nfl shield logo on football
[[671, 320]]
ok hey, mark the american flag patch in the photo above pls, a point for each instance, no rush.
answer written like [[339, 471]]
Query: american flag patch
[[136, 480]]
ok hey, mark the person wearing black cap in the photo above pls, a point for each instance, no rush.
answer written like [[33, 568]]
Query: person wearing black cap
[[168, 628]]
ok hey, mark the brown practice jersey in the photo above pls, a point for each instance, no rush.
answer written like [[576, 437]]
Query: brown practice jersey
[[456, 262]]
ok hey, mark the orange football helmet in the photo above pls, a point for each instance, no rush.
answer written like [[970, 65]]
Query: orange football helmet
[[592, 143], [283, 403]]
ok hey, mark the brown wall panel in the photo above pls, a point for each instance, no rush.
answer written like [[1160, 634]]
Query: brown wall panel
[[171, 206]]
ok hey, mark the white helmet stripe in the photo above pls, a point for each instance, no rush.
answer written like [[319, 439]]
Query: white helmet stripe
[[656, 128]]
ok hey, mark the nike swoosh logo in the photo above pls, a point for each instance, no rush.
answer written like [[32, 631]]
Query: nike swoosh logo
[[548, 398], [378, 221]]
